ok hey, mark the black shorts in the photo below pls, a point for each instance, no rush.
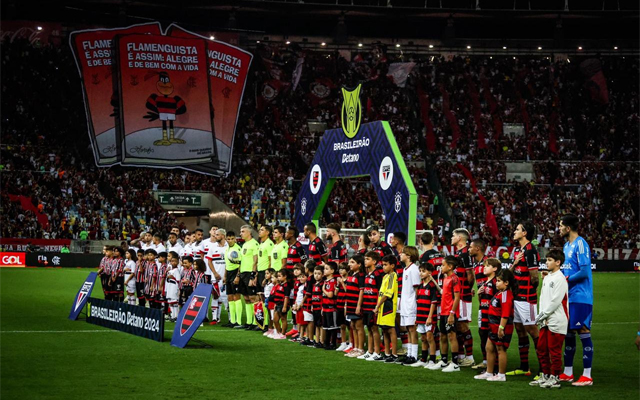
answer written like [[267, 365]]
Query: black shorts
[[341, 317], [278, 308], [504, 341], [317, 318], [243, 287], [445, 327], [259, 288], [232, 288], [330, 320], [369, 318], [185, 292], [140, 290], [118, 285]]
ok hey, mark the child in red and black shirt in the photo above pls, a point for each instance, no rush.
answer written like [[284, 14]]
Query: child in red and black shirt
[[281, 295], [427, 314], [372, 282], [353, 309], [329, 306], [500, 326], [486, 291], [316, 307]]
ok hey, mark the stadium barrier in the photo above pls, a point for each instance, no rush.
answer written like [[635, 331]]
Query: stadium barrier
[[64, 260]]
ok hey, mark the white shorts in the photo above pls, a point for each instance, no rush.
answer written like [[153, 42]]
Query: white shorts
[[407, 320], [167, 117], [131, 286], [465, 311], [308, 317], [172, 300], [424, 328], [524, 312]]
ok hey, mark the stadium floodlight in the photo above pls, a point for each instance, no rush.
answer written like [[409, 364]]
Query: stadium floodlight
[[257, 41], [323, 44], [431, 46], [615, 47], [579, 47], [212, 37], [539, 48], [468, 47], [39, 28], [504, 47], [397, 44], [359, 44], [288, 42]]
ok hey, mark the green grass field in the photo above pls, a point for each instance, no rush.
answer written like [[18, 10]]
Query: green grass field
[[44, 355]]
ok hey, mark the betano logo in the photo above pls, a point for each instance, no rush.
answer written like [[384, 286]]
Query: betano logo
[[351, 112]]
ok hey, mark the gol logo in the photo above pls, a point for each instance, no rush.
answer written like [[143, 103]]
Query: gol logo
[[12, 260]]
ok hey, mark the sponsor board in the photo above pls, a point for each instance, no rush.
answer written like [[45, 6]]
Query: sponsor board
[[191, 316], [82, 296], [12, 260], [139, 321]]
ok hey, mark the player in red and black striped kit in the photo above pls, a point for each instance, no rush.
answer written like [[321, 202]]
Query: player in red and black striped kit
[[140, 266], [150, 276], [117, 275], [281, 295], [525, 268], [316, 306], [317, 250], [102, 270], [435, 258], [467, 279], [476, 251], [337, 249], [372, 282], [296, 254]]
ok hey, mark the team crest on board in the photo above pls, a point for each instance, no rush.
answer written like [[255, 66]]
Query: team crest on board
[[351, 111]]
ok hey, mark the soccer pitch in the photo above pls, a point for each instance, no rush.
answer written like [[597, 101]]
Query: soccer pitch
[[43, 354]]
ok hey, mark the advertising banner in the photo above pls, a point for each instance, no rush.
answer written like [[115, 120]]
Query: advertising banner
[[227, 69], [63, 260], [158, 99], [191, 316], [82, 296], [12, 260], [139, 321], [164, 100], [52, 245], [93, 52]]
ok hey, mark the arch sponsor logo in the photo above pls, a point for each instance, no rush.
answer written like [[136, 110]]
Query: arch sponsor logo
[[12, 260], [315, 179], [385, 175]]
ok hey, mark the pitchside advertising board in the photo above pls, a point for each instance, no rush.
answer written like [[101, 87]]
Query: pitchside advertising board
[[12, 260], [82, 296], [191, 316], [139, 321], [360, 150], [158, 99]]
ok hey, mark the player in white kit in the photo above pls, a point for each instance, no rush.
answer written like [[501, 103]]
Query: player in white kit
[[216, 266]]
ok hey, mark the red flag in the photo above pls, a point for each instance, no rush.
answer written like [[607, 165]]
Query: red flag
[[490, 219], [596, 82]]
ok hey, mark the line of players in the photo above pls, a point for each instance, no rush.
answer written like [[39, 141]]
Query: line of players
[[248, 270]]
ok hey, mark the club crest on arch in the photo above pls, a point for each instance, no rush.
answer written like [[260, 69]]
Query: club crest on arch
[[351, 111]]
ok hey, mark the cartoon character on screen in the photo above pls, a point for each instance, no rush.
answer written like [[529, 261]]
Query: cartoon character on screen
[[165, 107]]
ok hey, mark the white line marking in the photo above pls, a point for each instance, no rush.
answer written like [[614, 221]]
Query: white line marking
[[230, 330]]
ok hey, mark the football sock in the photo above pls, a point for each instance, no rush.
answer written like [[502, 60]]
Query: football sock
[[248, 308], [432, 358], [425, 355], [232, 312], [468, 343], [238, 312], [523, 346], [587, 353], [454, 357], [174, 311], [214, 309], [569, 352], [444, 358], [141, 301]]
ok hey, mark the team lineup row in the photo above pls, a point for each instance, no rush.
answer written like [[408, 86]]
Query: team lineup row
[[386, 286]]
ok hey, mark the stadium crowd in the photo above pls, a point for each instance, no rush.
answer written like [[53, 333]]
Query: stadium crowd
[[44, 157]]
